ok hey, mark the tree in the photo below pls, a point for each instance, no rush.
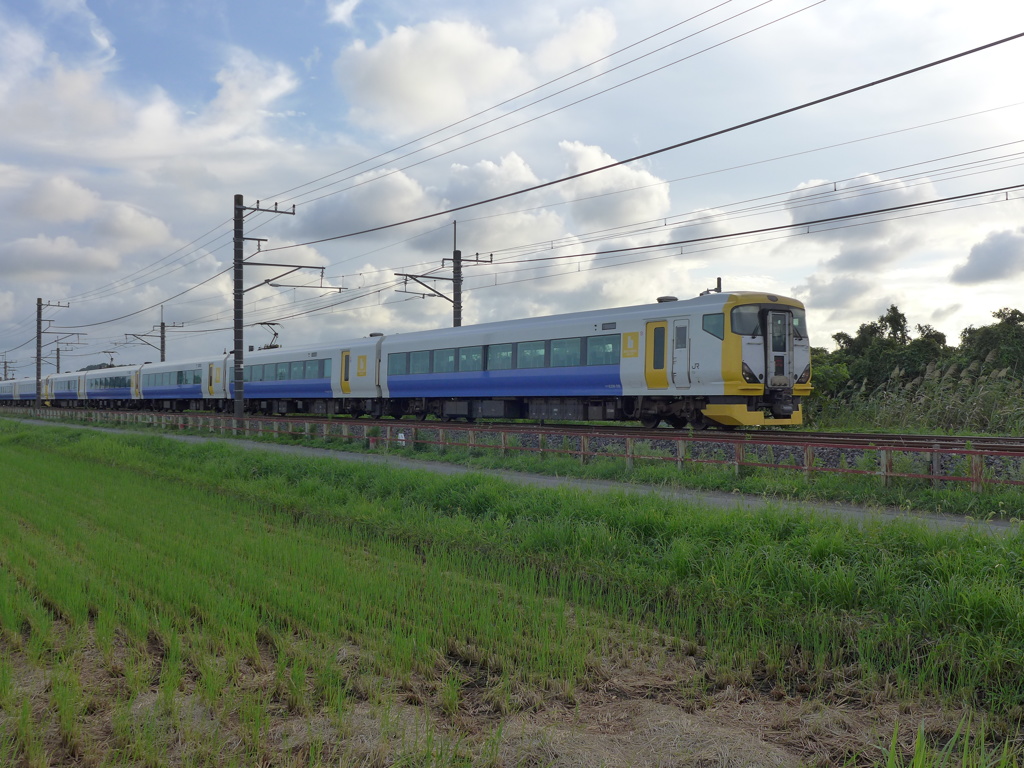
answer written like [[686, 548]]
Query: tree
[[1001, 344]]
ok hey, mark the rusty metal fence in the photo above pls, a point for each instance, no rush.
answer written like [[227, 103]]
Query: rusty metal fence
[[737, 451]]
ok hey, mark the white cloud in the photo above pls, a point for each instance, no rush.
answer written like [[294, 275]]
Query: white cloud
[[588, 37], [60, 199], [340, 12], [815, 200], [22, 51], [9, 304], [248, 86], [126, 228], [594, 206], [80, 13], [54, 257], [391, 195], [417, 78]]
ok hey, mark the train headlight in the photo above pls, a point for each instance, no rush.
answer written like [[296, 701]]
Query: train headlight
[[749, 376], [805, 376]]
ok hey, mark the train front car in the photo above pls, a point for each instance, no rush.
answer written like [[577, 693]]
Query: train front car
[[766, 361]]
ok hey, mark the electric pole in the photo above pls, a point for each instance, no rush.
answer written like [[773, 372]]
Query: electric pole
[[239, 293], [455, 279], [39, 347]]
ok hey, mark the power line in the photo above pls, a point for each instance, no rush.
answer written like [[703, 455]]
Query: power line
[[543, 99], [669, 148], [514, 98]]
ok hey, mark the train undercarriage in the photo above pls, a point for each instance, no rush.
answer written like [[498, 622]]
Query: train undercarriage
[[678, 412]]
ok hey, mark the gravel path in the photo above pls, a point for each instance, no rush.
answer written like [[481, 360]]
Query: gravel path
[[709, 498]]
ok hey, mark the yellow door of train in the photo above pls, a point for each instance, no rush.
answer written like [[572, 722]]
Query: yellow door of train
[[656, 355]]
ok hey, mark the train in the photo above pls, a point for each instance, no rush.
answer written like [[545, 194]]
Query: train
[[722, 359]]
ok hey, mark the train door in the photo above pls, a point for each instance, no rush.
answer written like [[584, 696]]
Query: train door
[[656, 358], [346, 372], [136, 390], [779, 348], [209, 379], [681, 354]]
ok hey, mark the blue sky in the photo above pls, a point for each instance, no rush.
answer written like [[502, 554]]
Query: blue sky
[[129, 126]]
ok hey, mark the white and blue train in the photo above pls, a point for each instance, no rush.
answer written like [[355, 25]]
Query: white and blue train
[[721, 359]]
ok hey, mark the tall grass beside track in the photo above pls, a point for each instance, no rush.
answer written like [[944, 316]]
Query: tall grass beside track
[[189, 564]]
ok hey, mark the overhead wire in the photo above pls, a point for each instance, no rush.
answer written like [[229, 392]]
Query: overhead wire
[[662, 150]]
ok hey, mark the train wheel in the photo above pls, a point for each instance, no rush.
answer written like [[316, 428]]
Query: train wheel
[[698, 423], [650, 422], [677, 422]]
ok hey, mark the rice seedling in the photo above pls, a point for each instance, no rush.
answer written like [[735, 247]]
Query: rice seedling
[[214, 568]]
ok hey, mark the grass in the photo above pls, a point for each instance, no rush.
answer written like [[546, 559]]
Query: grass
[[651, 465], [216, 592]]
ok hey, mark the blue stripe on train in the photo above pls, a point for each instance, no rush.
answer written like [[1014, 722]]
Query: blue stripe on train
[[287, 389], [115, 393], [173, 392], [580, 381]]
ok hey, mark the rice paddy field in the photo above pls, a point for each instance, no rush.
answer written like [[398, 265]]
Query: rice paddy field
[[171, 604]]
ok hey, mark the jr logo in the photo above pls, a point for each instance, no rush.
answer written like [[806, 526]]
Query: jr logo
[[630, 344], [361, 365]]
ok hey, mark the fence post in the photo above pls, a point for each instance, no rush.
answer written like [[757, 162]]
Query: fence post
[[977, 467], [737, 457], [808, 461], [629, 452], [936, 461], [584, 448], [884, 465]]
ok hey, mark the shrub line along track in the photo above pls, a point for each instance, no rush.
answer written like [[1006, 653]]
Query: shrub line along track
[[938, 460], [863, 440], [712, 498]]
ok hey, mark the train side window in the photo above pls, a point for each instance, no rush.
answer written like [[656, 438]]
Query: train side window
[[247, 374], [471, 358], [327, 367], [531, 354], [256, 375], [658, 363], [313, 369], [180, 376], [715, 325], [565, 352], [681, 340], [499, 357], [419, 362], [603, 350], [398, 363], [281, 373], [298, 370], [444, 360]]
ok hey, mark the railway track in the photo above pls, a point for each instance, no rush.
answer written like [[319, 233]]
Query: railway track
[[862, 440]]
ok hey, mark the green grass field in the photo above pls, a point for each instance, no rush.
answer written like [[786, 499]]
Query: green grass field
[[164, 604]]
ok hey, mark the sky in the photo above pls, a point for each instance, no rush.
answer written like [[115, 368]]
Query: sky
[[127, 128]]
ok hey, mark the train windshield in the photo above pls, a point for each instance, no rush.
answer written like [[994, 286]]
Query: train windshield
[[748, 320]]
